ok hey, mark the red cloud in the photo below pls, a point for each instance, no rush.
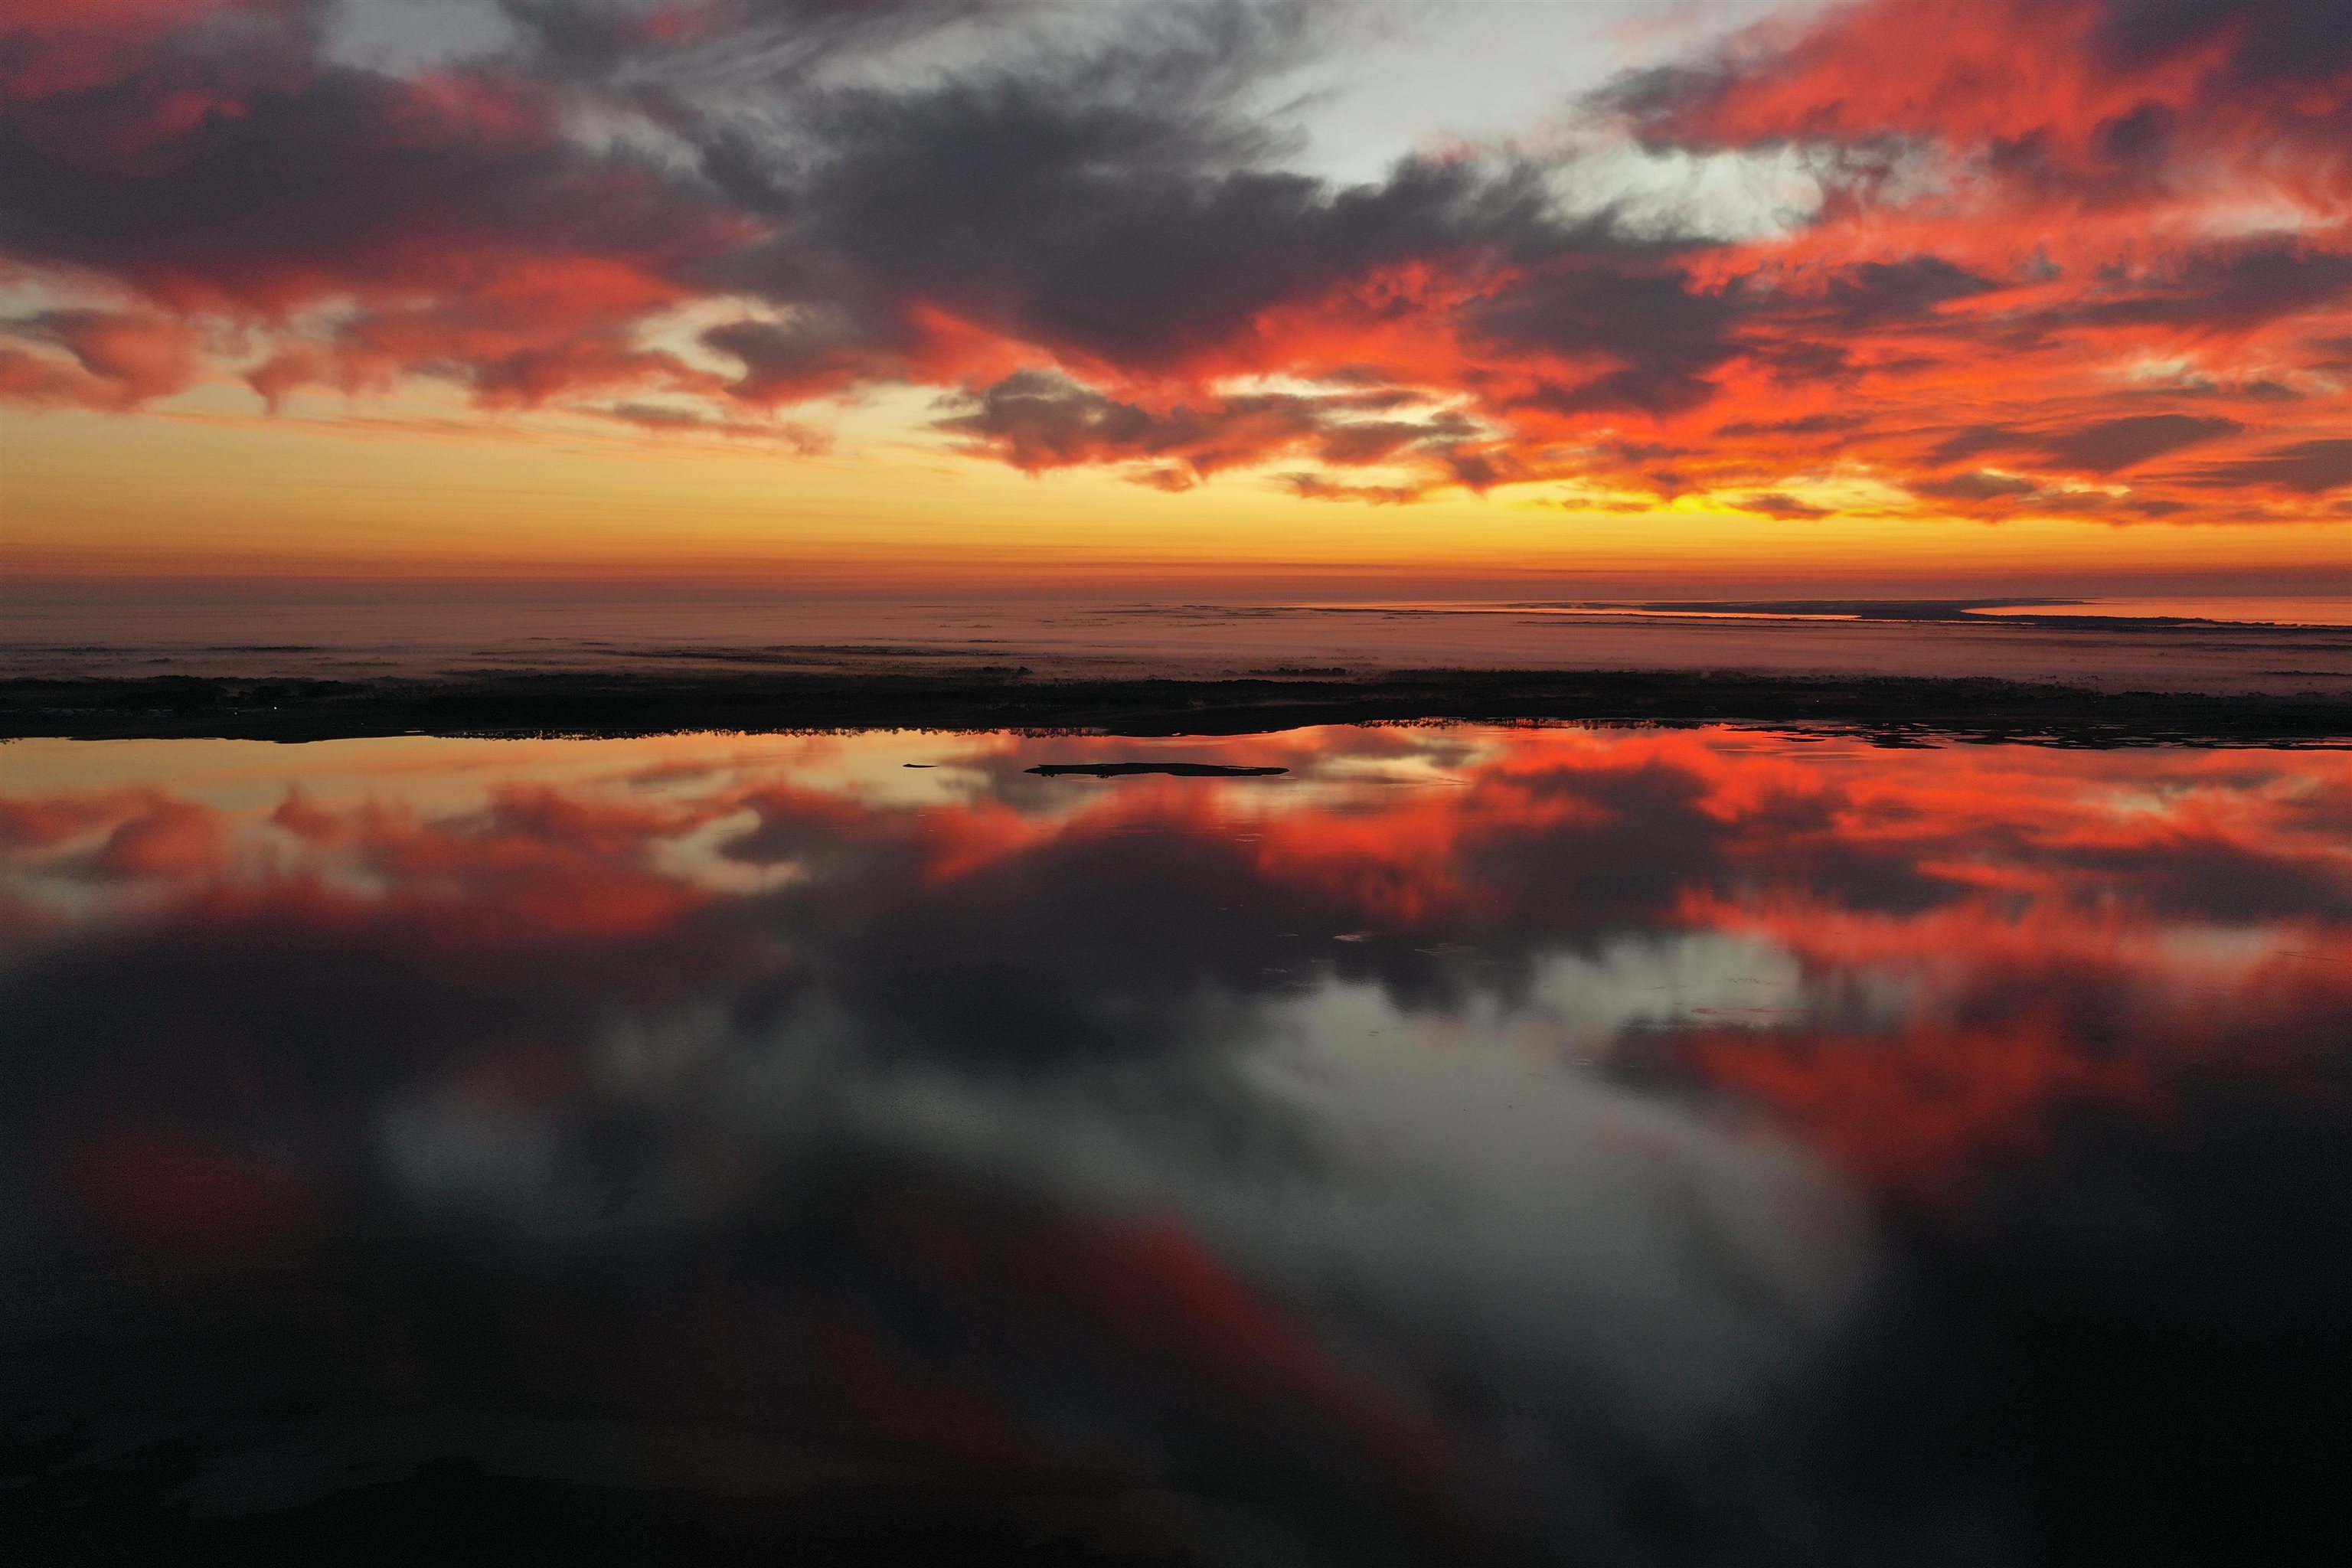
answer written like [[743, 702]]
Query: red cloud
[[109, 360]]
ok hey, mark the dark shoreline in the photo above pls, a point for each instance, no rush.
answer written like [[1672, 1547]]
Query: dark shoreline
[[1892, 709]]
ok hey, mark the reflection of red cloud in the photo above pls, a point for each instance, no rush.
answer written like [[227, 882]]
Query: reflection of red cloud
[[174, 1196], [891, 1405], [2190, 895], [537, 867], [1918, 1106], [168, 838], [1177, 1315], [37, 825], [1162, 1294]]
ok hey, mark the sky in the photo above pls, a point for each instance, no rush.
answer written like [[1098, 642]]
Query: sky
[[1988, 295]]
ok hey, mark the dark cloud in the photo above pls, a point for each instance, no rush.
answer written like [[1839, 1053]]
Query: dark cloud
[[2308, 466], [1977, 486], [2111, 444], [1371, 440], [1655, 332], [1974, 441], [1114, 207], [1807, 424], [2233, 287], [1776, 504], [294, 176], [2101, 447], [1316, 487], [1099, 215], [821, 349], [1871, 295], [1038, 420], [1481, 468], [2263, 44]]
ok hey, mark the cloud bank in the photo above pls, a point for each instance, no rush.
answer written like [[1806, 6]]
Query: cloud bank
[[2087, 259]]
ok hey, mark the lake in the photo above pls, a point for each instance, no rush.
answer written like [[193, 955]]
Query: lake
[[1464, 1145]]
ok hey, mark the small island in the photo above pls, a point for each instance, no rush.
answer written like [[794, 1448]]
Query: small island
[[1178, 770]]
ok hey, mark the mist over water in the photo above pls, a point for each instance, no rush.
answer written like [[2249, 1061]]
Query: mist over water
[[1468, 1144]]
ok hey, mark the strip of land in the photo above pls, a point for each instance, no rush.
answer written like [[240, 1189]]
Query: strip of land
[[1892, 709]]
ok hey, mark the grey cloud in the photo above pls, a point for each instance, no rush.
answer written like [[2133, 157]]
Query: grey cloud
[[1776, 503], [2310, 466], [2108, 446], [1664, 334], [1977, 486], [1038, 419]]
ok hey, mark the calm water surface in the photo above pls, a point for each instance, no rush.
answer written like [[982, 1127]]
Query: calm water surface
[[1468, 1146], [2229, 645]]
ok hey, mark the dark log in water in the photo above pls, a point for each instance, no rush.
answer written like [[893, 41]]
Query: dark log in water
[[1178, 770]]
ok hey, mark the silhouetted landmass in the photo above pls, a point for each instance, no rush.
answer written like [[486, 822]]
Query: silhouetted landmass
[[1866, 609], [1179, 770], [1893, 710], [452, 1511]]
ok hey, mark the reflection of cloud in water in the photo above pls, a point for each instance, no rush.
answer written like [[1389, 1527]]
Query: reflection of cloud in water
[[1522, 1215], [1685, 1110], [1682, 978], [1435, 1211]]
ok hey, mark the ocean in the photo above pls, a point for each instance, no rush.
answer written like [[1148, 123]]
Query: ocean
[[2270, 645]]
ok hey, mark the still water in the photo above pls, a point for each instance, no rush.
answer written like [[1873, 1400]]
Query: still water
[[1468, 1145], [2226, 645]]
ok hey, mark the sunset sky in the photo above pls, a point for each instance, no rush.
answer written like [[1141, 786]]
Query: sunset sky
[[1930, 294]]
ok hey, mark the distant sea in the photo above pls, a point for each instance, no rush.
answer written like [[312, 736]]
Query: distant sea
[[2275, 644]]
